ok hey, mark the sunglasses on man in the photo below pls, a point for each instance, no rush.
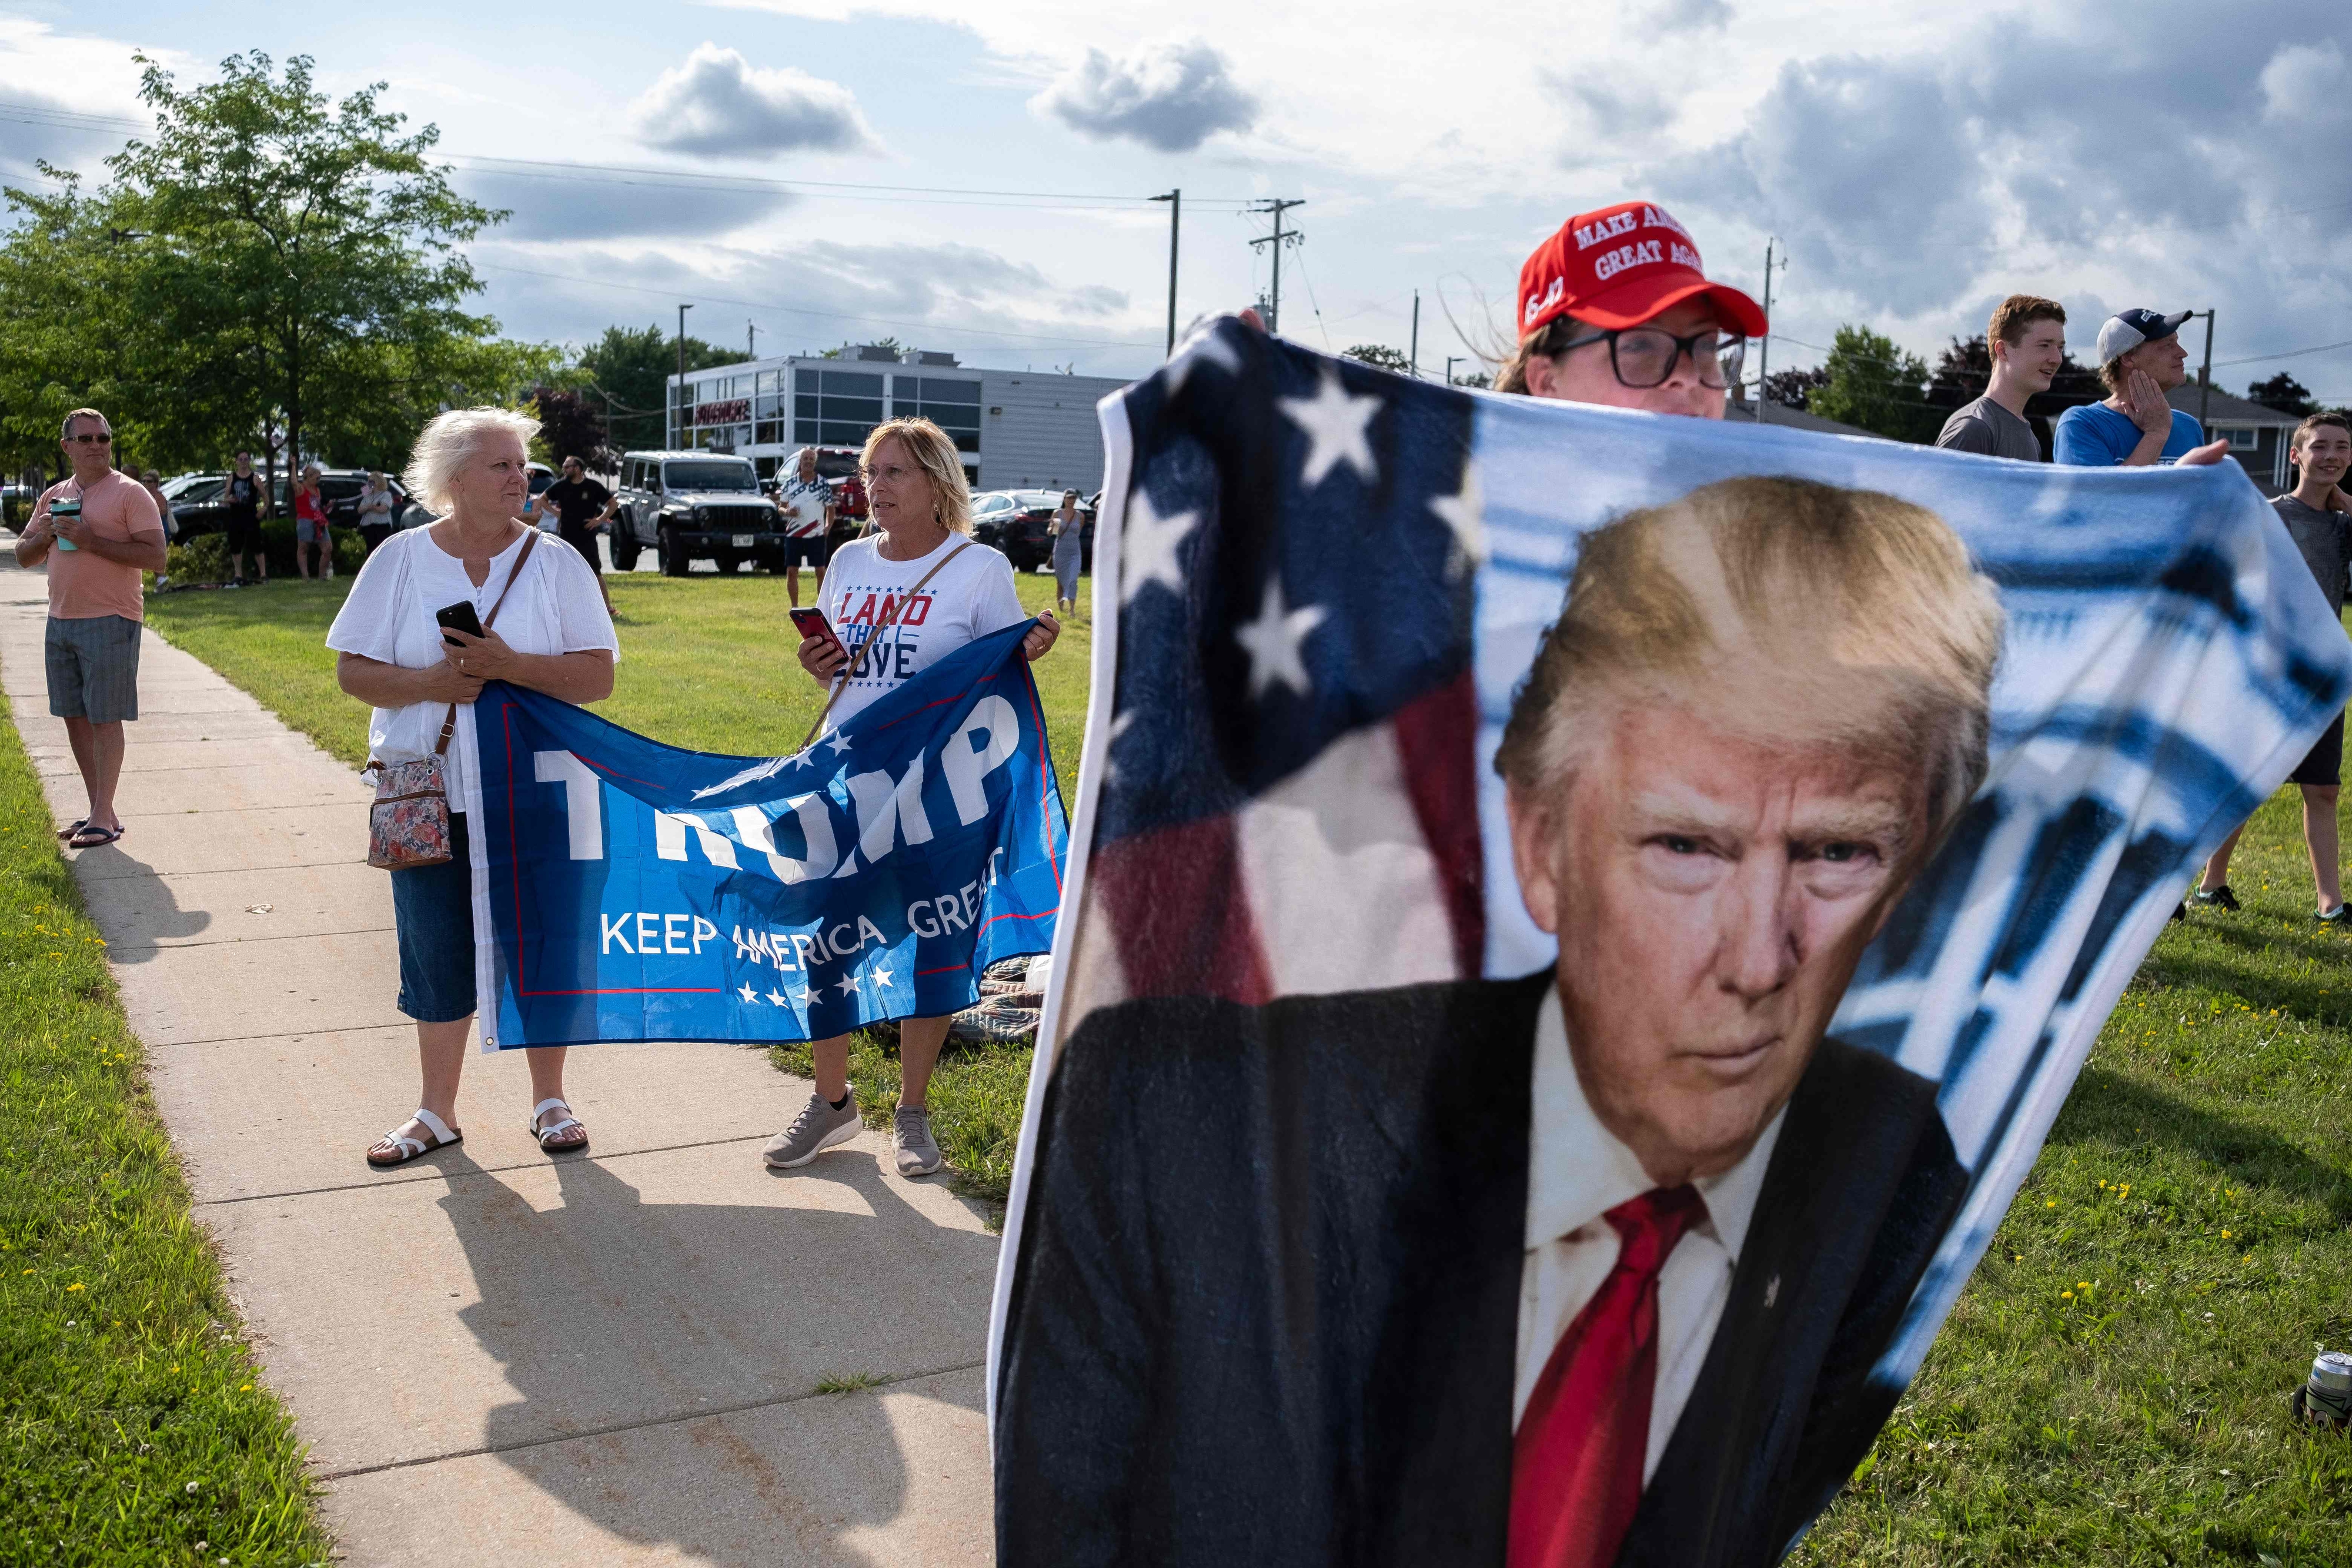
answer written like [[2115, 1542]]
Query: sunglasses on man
[[102, 437]]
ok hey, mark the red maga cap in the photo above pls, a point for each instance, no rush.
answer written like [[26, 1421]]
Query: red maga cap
[[1619, 267]]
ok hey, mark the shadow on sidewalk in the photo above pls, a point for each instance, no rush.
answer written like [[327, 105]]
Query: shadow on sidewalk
[[609, 1310], [159, 916]]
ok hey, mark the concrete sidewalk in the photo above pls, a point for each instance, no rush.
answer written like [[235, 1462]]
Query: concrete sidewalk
[[497, 1356]]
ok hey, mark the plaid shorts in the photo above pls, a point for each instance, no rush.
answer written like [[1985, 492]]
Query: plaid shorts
[[93, 665]]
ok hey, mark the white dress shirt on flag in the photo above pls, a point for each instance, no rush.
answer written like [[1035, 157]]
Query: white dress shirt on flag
[[1578, 1172]]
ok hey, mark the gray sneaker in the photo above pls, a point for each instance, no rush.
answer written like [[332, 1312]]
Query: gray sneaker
[[816, 1129], [910, 1135]]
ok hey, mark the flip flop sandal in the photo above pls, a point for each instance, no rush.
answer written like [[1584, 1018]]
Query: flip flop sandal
[[404, 1148], [566, 1123], [70, 829], [91, 838]]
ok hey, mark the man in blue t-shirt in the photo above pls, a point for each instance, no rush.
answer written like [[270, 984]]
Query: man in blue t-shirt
[[2140, 359]]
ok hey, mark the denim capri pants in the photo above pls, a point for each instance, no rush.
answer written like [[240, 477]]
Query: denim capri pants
[[433, 911]]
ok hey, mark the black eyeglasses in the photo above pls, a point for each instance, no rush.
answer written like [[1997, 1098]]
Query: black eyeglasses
[[1647, 356], [102, 437]]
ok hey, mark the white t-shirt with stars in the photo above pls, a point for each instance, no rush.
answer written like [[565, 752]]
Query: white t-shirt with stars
[[972, 596]]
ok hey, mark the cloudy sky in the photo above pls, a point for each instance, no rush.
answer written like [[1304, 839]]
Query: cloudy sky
[[972, 176]]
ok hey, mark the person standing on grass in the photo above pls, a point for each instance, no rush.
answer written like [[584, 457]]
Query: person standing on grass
[[1069, 533], [806, 503], [2027, 341], [582, 509], [98, 530], [900, 600], [310, 539], [241, 513], [375, 510], [550, 634], [2322, 453], [2140, 359]]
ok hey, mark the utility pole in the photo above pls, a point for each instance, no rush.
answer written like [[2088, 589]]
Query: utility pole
[[2205, 377], [1450, 358], [1175, 200], [1276, 205], [1764, 354], [751, 339], [1413, 358], [676, 401]]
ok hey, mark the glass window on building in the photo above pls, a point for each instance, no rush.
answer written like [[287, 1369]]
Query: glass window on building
[[953, 405], [834, 408]]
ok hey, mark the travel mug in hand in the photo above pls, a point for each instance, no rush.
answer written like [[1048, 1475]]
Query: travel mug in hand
[[64, 506]]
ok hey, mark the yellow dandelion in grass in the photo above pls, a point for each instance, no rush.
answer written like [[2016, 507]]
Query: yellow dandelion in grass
[[2066, 1295], [75, 1286], [174, 1367], [2225, 1235], [2082, 1284], [2046, 1203]]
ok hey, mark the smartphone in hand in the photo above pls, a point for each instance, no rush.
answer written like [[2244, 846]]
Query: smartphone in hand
[[459, 617], [811, 622]]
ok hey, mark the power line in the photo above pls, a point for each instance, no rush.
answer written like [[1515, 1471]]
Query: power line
[[628, 175], [2289, 354], [797, 311]]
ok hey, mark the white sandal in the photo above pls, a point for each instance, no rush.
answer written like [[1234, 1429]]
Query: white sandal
[[406, 1148], [568, 1122]]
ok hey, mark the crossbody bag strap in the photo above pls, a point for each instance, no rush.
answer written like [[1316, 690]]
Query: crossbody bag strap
[[530, 543], [856, 665]]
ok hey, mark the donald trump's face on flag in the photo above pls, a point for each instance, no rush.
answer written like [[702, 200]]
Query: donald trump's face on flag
[[1760, 708]]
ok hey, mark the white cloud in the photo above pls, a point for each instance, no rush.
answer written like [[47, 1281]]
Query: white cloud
[[718, 104], [1172, 95]]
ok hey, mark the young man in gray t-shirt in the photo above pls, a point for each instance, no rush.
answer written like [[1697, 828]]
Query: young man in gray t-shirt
[[2322, 529], [2027, 341]]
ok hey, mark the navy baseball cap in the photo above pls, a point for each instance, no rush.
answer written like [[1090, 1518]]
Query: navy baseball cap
[[2127, 329]]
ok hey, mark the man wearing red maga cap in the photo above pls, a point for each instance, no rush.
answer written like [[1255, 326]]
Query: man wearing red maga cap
[[1615, 308]]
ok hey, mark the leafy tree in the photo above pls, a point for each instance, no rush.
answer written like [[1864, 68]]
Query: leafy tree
[[1964, 370], [626, 373], [1379, 356], [1790, 388], [300, 259], [1475, 379], [1875, 385], [572, 424], [2284, 394]]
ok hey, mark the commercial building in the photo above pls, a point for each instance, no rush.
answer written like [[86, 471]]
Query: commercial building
[[1017, 429]]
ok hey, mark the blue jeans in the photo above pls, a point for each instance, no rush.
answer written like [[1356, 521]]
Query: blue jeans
[[432, 912]]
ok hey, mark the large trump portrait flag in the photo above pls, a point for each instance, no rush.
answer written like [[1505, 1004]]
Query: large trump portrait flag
[[1581, 921], [627, 890]]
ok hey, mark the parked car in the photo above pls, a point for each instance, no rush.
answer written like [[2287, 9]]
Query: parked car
[[695, 505], [1015, 523], [541, 476]]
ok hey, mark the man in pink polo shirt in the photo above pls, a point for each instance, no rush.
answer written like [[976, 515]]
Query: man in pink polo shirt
[[98, 530]]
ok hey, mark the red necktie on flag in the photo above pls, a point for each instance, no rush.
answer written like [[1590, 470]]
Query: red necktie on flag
[[1576, 1470]]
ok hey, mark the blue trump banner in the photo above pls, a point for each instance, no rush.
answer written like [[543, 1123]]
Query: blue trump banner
[[1580, 920], [627, 890]]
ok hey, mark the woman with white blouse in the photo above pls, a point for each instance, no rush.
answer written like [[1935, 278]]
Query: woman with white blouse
[[552, 635]]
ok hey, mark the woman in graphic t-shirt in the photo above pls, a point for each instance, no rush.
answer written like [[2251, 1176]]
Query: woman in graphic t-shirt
[[922, 512]]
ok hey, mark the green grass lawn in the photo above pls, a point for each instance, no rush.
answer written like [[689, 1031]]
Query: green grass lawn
[[132, 1426], [2112, 1387], [705, 662]]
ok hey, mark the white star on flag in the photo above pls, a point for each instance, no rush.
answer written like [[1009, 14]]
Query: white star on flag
[[1117, 728], [1273, 641], [1148, 543], [1336, 422], [1207, 347], [881, 976], [839, 742], [848, 985], [1462, 512], [748, 994], [780, 1000]]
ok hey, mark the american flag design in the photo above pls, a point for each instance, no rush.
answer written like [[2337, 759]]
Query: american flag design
[[1320, 585]]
